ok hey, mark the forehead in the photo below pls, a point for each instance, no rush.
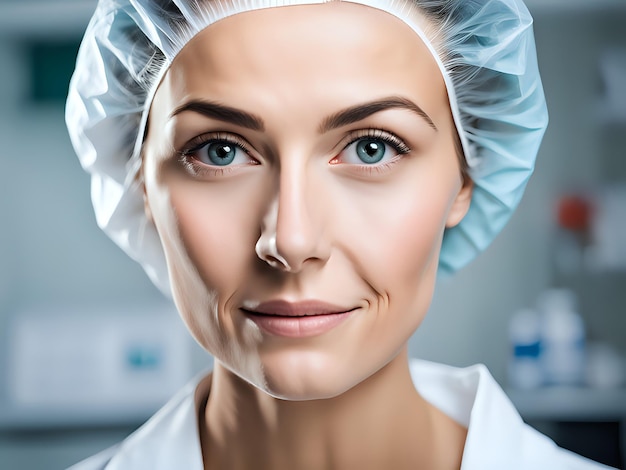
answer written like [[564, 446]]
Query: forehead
[[334, 53]]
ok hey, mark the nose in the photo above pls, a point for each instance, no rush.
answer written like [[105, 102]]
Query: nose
[[292, 229]]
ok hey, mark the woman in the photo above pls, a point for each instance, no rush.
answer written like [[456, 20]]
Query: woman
[[294, 175]]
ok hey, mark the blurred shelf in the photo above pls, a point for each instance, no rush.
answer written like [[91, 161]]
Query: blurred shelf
[[41, 18], [43, 418], [570, 404], [558, 6], [28, 18]]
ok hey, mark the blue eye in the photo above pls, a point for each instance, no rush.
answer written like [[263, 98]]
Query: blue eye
[[219, 153], [216, 154], [370, 150]]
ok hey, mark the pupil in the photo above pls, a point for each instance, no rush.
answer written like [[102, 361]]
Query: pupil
[[371, 148], [223, 151]]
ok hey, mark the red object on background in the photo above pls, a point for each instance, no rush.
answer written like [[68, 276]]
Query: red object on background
[[574, 213]]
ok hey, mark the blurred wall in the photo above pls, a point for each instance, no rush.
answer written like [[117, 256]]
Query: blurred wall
[[52, 253], [52, 250], [53, 257]]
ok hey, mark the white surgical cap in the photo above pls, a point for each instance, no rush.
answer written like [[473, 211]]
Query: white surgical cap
[[484, 48]]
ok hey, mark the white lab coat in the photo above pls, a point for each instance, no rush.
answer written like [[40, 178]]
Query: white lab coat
[[497, 438]]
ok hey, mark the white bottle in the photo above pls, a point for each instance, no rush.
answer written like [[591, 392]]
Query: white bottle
[[563, 338], [525, 367]]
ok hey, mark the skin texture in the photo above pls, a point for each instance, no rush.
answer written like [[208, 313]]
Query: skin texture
[[298, 217]]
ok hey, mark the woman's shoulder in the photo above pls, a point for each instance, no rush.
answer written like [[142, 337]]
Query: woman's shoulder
[[168, 440], [497, 434]]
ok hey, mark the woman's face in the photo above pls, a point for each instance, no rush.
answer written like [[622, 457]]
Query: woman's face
[[300, 169]]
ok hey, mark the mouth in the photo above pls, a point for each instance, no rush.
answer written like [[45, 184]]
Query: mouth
[[297, 319]]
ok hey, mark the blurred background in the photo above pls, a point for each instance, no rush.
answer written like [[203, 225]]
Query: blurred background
[[89, 348]]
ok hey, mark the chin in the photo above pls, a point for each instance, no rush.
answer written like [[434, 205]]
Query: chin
[[302, 377], [319, 390]]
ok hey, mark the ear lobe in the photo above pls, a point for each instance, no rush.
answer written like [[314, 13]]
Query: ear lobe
[[461, 204]]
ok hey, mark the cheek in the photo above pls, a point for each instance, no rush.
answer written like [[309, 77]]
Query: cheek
[[217, 231], [413, 248], [397, 233], [208, 234]]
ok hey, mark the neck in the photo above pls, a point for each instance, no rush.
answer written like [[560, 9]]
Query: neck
[[381, 423]]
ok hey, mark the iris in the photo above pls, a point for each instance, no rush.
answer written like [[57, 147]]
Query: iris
[[370, 150], [221, 153]]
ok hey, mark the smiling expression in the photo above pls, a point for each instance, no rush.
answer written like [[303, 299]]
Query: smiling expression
[[300, 168]]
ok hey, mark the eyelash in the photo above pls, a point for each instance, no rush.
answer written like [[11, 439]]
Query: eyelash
[[383, 135], [185, 156], [389, 138], [200, 169]]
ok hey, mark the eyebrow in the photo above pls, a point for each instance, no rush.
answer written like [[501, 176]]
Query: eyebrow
[[218, 111], [344, 117], [362, 111]]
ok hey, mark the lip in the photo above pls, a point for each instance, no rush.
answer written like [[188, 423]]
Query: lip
[[297, 319]]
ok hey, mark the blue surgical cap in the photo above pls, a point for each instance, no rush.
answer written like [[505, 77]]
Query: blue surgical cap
[[484, 48]]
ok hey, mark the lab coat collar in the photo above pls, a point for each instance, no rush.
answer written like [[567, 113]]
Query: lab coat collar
[[168, 440], [470, 396]]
